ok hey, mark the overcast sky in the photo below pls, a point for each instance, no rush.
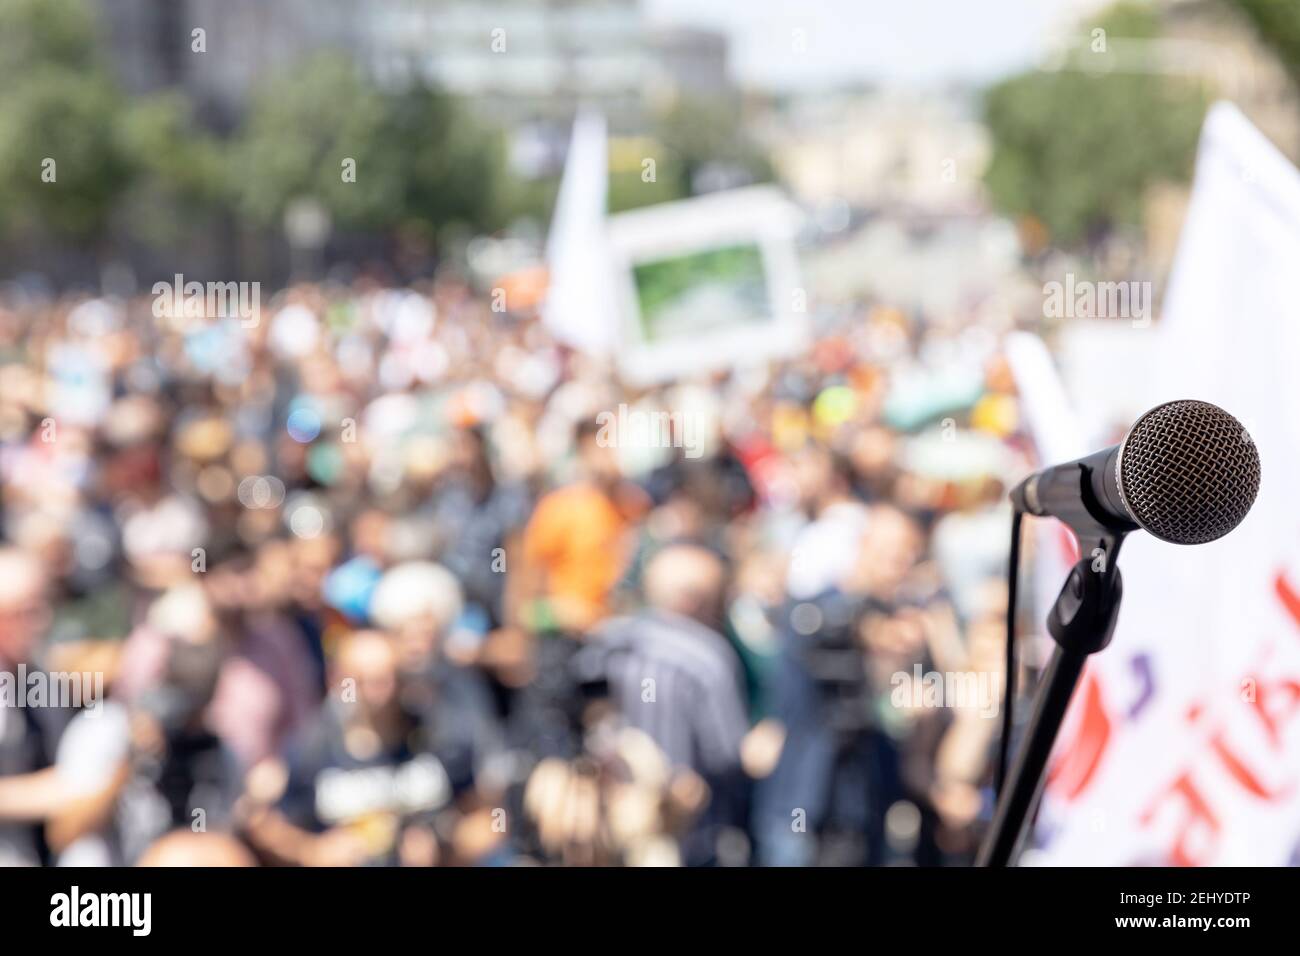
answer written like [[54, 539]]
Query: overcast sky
[[894, 41]]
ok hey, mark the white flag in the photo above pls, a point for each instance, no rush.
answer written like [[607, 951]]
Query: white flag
[[1183, 743], [579, 309]]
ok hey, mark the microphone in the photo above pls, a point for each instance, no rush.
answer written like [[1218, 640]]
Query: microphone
[[1187, 472]]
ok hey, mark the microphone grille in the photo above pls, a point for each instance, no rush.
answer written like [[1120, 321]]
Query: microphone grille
[[1188, 472]]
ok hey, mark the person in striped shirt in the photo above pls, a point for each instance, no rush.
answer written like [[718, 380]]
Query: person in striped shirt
[[670, 673]]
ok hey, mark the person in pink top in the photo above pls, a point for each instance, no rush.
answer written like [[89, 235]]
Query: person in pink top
[[250, 677]]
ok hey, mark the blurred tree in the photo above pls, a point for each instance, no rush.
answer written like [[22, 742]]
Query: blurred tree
[[454, 167], [61, 167], [644, 171], [178, 171], [1078, 150], [709, 135], [303, 126], [375, 160], [697, 145]]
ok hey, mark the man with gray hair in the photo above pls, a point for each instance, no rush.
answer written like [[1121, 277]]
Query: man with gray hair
[[672, 674]]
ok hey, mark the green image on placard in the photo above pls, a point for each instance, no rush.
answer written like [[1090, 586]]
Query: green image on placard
[[701, 291]]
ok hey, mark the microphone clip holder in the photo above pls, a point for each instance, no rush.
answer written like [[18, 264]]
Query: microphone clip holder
[[1082, 621]]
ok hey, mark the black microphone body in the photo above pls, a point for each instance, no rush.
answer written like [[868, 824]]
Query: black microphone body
[[1087, 486]]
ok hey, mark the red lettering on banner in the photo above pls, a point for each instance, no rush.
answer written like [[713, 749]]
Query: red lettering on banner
[[1289, 598], [1199, 820], [1242, 774], [1074, 770], [1275, 705]]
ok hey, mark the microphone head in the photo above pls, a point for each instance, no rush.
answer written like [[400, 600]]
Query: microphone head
[[1187, 472]]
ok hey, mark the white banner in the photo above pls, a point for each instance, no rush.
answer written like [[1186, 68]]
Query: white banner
[[1183, 744]]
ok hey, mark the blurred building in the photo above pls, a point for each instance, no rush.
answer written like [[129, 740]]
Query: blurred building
[[690, 61], [1221, 49], [1218, 44], [519, 60], [527, 59], [885, 149], [152, 45]]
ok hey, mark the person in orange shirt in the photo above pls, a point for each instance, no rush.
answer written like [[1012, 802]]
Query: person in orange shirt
[[575, 550], [577, 544]]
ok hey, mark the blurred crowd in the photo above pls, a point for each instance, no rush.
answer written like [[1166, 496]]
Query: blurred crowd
[[374, 579]]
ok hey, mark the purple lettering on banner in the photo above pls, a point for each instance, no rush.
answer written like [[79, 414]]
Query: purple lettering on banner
[[1141, 665]]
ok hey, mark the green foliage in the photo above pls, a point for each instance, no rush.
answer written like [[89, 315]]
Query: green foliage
[[1278, 25], [690, 135], [628, 188], [168, 151], [51, 32], [454, 168], [528, 198], [303, 124], [142, 160], [146, 165], [699, 132], [1079, 150], [56, 103], [51, 114], [147, 168], [178, 171], [416, 155]]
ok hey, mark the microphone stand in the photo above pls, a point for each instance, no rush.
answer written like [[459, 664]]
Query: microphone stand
[[1081, 622]]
